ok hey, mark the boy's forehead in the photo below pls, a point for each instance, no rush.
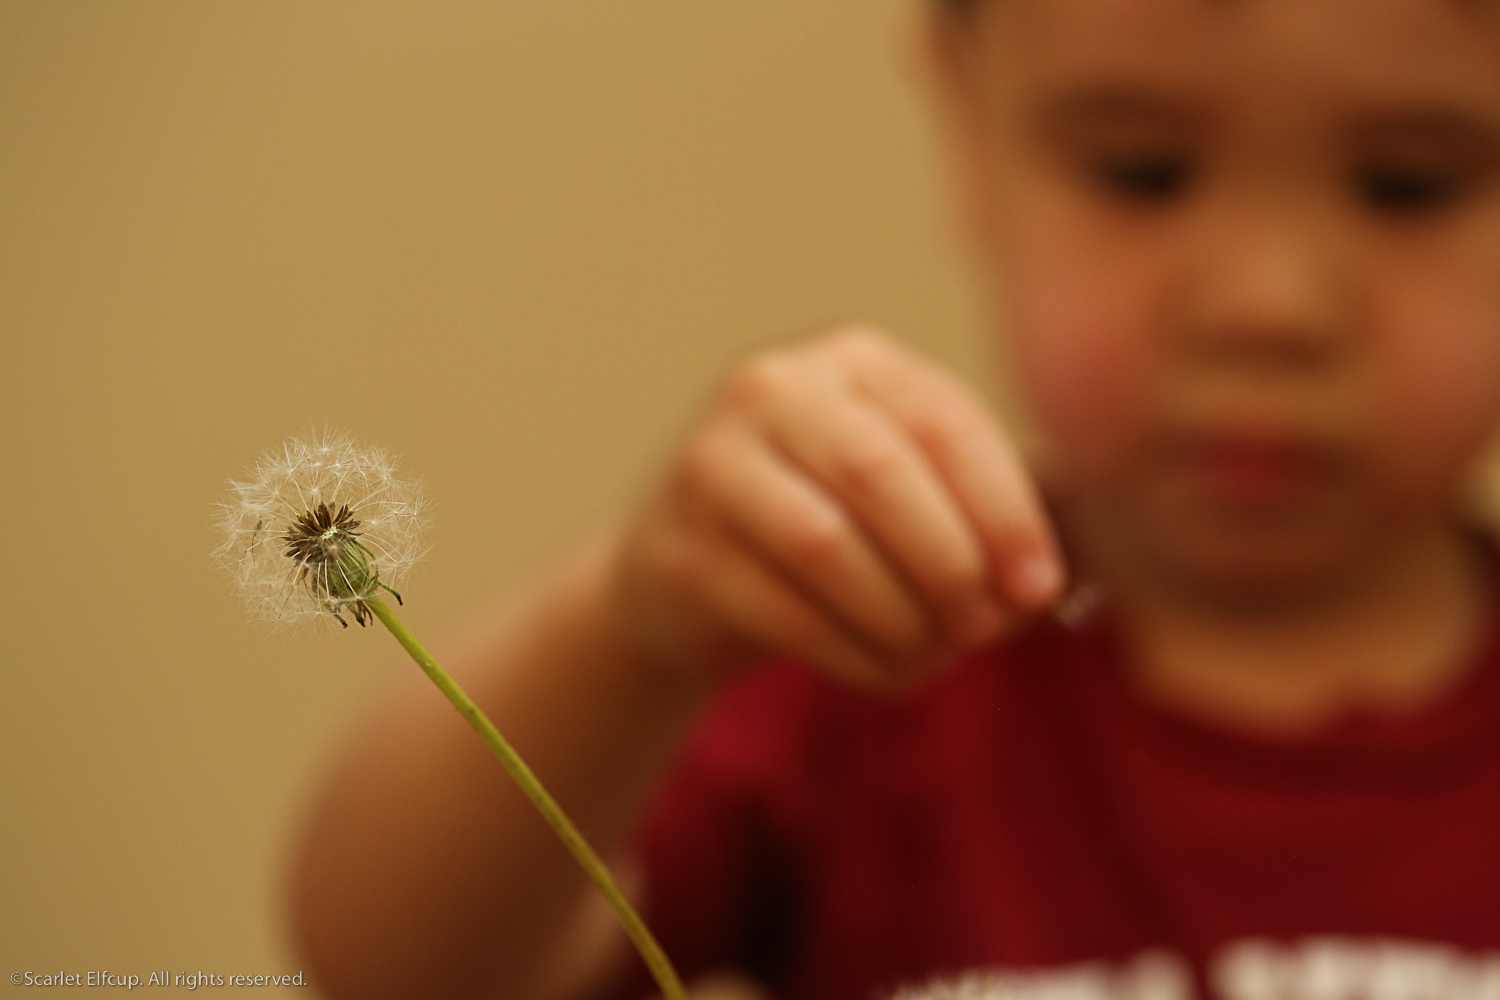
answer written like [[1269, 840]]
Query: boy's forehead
[[1396, 50]]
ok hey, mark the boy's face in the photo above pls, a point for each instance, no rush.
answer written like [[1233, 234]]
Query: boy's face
[[1249, 255]]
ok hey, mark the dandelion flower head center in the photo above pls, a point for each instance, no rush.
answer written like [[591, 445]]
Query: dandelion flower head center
[[329, 556]]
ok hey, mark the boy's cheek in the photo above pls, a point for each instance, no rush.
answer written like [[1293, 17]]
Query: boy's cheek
[[1439, 397], [1078, 296], [1436, 334], [1081, 359]]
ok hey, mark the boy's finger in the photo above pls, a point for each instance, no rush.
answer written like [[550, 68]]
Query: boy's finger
[[791, 521], [981, 469], [744, 593], [863, 459]]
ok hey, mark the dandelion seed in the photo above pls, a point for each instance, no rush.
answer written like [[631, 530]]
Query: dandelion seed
[[320, 528]]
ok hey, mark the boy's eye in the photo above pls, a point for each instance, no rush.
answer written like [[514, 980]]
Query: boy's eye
[[1149, 178], [1405, 190]]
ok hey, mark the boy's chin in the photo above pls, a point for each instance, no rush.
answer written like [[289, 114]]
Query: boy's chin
[[1255, 585], [1264, 567]]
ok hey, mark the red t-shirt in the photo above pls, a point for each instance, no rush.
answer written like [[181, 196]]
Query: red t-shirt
[[1029, 811]]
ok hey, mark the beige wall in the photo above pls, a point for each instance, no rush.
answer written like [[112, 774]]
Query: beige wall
[[512, 242]]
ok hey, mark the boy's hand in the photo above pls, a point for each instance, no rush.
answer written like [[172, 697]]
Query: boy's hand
[[844, 501]]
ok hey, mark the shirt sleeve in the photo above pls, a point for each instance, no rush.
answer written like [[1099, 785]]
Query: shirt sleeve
[[718, 844]]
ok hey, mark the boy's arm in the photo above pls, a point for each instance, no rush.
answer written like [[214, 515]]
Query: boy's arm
[[425, 872], [842, 500]]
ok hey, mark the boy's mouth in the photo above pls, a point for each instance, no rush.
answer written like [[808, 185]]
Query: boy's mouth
[[1253, 470]]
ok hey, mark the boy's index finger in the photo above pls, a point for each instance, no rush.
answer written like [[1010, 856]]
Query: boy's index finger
[[971, 454]]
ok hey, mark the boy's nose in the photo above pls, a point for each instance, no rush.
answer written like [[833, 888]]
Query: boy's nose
[[1266, 293]]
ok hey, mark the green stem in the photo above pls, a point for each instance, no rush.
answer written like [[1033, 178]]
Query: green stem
[[656, 959]]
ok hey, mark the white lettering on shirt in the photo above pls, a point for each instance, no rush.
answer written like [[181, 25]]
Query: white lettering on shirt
[[1315, 968]]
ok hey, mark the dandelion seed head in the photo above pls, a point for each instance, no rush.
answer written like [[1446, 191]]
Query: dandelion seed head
[[320, 525]]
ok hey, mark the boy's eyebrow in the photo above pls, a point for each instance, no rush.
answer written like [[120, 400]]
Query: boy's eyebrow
[[1109, 102], [1102, 103], [1448, 127]]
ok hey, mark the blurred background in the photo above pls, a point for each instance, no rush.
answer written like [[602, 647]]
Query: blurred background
[[514, 243]]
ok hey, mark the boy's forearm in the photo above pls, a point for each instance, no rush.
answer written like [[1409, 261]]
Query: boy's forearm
[[424, 871]]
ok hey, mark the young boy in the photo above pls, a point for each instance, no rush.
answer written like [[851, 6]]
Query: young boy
[[1247, 253]]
